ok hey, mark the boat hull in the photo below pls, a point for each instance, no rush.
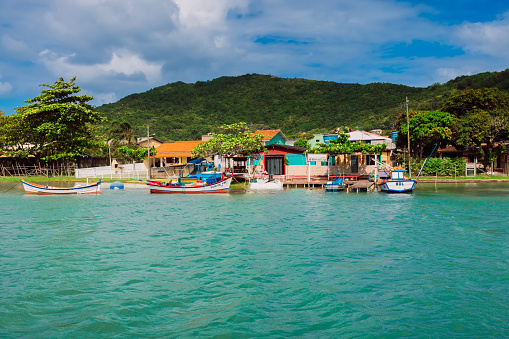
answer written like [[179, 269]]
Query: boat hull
[[31, 188], [397, 186], [334, 187], [264, 184], [222, 186]]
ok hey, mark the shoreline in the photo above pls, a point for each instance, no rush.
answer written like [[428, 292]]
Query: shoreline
[[138, 182], [448, 181]]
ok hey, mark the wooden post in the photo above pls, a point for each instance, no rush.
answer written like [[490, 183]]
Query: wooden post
[[408, 137]]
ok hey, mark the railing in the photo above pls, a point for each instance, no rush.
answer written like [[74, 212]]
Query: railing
[[111, 174], [32, 170], [171, 171]]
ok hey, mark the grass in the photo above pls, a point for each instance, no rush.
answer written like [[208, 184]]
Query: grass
[[463, 178], [233, 185], [60, 179]]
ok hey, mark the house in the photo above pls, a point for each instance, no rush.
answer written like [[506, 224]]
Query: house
[[244, 165], [153, 142], [174, 153], [321, 139], [272, 137], [171, 159], [276, 160], [499, 167], [281, 159], [371, 138]]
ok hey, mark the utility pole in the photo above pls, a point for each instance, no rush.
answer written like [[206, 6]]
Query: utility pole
[[148, 153], [408, 137]]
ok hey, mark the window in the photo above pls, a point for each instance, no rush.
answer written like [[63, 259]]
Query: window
[[370, 159]]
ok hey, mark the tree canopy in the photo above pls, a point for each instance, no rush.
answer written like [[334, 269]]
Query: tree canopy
[[233, 140], [426, 129], [342, 145], [481, 121], [134, 154], [56, 124]]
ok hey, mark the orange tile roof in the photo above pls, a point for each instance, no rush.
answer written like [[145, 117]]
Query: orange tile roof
[[268, 134], [177, 148]]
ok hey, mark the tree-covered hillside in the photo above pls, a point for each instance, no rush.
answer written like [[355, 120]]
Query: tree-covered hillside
[[180, 111]]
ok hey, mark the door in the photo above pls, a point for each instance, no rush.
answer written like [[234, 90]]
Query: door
[[354, 163], [275, 165]]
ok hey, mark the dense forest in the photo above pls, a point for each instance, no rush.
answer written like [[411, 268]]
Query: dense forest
[[181, 111]]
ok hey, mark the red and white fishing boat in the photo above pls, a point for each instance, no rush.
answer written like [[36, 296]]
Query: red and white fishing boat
[[199, 186], [31, 188]]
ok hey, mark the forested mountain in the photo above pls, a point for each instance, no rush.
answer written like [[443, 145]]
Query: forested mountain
[[181, 111]]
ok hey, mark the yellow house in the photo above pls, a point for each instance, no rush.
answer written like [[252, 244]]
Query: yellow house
[[175, 153]]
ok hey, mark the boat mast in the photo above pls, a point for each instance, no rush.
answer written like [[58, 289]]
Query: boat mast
[[408, 137]]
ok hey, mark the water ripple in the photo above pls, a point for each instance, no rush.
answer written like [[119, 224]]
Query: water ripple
[[297, 263]]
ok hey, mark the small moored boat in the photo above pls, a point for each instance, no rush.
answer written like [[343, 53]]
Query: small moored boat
[[339, 184], [397, 182], [261, 184], [31, 188], [199, 186]]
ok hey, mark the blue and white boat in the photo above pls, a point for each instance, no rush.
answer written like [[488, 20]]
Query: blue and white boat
[[397, 182], [339, 184]]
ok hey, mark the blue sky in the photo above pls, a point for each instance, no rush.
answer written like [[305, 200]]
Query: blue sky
[[119, 47]]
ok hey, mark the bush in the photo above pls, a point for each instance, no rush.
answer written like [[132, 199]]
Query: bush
[[446, 167]]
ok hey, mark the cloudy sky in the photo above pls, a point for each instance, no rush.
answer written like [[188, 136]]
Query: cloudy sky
[[119, 47]]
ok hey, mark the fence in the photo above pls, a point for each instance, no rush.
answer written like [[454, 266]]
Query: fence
[[34, 170], [127, 171], [171, 171]]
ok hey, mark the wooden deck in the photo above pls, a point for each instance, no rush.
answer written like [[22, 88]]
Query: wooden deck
[[361, 185], [353, 185], [295, 183]]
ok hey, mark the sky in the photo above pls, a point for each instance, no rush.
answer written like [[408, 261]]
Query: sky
[[119, 47]]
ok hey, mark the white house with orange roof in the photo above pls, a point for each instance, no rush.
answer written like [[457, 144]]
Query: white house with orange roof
[[371, 138]]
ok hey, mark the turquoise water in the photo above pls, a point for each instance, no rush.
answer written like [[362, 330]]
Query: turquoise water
[[298, 263]]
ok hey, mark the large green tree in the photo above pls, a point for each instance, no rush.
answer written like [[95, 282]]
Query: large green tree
[[232, 140], [426, 129], [56, 124], [481, 122]]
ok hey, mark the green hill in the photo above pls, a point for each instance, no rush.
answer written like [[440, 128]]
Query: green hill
[[181, 111]]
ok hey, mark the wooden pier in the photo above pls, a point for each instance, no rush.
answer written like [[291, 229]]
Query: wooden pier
[[352, 186], [303, 183], [361, 185]]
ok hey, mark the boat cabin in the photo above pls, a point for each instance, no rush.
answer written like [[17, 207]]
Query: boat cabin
[[398, 175]]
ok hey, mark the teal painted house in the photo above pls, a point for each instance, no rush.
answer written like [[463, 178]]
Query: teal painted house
[[321, 139], [272, 137]]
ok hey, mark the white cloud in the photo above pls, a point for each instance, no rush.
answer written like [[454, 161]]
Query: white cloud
[[490, 38], [104, 98], [15, 47], [446, 74], [119, 47], [207, 14], [5, 88], [122, 62]]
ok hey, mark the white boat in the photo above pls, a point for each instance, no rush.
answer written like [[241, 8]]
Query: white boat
[[397, 183], [31, 188], [266, 184], [339, 184], [221, 186]]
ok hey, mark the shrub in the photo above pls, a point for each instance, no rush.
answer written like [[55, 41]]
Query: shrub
[[441, 166]]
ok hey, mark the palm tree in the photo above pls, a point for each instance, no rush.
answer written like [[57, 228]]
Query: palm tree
[[121, 133]]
